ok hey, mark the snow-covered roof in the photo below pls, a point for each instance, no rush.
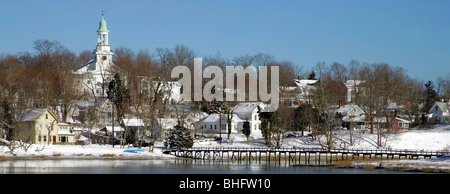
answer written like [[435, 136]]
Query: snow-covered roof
[[65, 132], [116, 128], [395, 106], [356, 119], [346, 109], [353, 83], [133, 122], [84, 105], [400, 120], [362, 118], [84, 65], [246, 107], [304, 82], [169, 123], [215, 118], [443, 106]]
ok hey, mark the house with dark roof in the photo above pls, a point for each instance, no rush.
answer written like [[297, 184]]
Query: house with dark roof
[[38, 126]]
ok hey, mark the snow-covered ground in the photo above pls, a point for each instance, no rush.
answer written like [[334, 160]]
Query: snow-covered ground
[[436, 138], [93, 151]]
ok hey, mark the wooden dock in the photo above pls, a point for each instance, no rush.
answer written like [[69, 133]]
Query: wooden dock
[[298, 155]]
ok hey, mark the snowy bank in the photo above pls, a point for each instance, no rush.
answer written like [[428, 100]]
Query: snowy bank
[[436, 138], [434, 165], [93, 151]]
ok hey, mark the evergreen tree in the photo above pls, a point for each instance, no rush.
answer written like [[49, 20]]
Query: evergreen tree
[[246, 129], [312, 76], [7, 121], [431, 96], [266, 119], [304, 116], [179, 137], [118, 94]]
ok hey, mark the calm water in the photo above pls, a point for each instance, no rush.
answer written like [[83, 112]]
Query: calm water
[[166, 167]]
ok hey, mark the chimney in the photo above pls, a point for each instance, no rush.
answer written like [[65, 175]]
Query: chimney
[[299, 77]]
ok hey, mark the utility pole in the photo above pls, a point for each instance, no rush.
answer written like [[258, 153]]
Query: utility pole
[[112, 125], [220, 125]]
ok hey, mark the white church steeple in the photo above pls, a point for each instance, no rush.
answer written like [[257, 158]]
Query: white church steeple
[[102, 38], [103, 53], [96, 73]]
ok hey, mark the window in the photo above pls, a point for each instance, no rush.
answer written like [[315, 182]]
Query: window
[[45, 138], [63, 139], [39, 138], [46, 116]]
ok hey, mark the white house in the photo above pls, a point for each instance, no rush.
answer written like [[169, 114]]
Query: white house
[[353, 87], [94, 74], [440, 110], [249, 111], [240, 113], [350, 110], [171, 91], [306, 88], [211, 124]]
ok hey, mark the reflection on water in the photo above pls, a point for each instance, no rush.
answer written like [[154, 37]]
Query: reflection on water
[[180, 166]]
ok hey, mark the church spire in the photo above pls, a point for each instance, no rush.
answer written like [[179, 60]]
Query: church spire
[[102, 25], [102, 38]]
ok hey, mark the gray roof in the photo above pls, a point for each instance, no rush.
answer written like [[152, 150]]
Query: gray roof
[[33, 114], [442, 105], [246, 107]]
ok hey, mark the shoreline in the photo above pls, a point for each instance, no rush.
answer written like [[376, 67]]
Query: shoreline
[[401, 165], [84, 157]]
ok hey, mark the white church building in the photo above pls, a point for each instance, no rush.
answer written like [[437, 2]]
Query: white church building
[[96, 74]]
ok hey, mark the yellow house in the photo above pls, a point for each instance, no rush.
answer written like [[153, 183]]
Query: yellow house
[[39, 126]]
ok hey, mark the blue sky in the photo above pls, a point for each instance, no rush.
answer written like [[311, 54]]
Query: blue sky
[[411, 34]]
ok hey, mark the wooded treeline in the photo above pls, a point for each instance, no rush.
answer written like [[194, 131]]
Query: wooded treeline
[[45, 78]]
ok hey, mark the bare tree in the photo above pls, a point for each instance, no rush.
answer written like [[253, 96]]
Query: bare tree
[[339, 71]]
